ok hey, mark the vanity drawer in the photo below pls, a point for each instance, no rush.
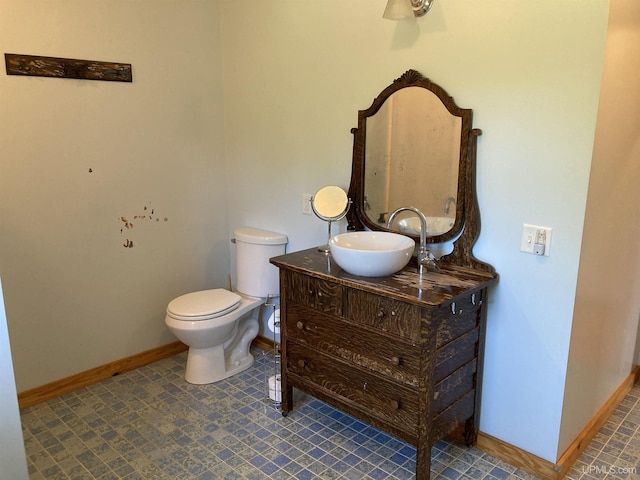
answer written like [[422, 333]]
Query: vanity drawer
[[455, 354], [459, 317], [319, 294], [383, 313], [455, 386], [386, 400], [385, 354]]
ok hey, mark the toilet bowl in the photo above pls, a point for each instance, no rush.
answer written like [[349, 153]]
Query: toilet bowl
[[218, 325]]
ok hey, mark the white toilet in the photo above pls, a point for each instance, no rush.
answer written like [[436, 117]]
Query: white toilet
[[219, 325]]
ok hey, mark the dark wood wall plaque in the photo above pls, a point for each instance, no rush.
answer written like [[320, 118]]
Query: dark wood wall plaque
[[35, 66]]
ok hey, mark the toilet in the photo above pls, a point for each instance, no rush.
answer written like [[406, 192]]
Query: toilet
[[218, 325]]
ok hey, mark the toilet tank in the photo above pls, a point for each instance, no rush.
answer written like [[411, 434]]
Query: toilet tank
[[255, 276]]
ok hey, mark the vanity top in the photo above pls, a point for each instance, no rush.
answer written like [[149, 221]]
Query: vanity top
[[433, 289]]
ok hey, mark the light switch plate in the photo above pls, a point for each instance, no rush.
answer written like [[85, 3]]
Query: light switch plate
[[306, 203], [532, 234]]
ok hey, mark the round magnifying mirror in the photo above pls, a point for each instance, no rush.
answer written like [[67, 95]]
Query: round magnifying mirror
[[330, 203]]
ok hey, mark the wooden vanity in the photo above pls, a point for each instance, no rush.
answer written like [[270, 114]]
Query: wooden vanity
[[403, 352]]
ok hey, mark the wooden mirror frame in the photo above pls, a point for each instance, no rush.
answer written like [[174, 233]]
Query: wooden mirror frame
[[466, 228]]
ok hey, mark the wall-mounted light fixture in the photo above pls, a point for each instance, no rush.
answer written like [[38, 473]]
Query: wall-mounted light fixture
[[403, 9]]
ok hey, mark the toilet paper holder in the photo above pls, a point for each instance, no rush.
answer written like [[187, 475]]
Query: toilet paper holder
[[273, 383]]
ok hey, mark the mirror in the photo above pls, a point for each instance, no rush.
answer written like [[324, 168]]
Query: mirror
[[412, 138], [415, 147], [330, 204]]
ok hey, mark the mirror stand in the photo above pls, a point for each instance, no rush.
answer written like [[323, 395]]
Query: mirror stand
[[325, 248], [330, 204]]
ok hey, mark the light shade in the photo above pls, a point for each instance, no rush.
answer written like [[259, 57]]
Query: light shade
[[398, 10]]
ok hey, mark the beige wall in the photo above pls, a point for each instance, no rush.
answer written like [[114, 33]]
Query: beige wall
[[75, 297], [605, 322]]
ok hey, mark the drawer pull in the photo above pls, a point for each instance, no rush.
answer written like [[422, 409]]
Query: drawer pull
[[395, 405], [395, 361], [381, 313], [453, 309], [302, 363], [300, 325]]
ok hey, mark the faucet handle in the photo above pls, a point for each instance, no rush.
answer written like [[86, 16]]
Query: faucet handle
[[427, 259]]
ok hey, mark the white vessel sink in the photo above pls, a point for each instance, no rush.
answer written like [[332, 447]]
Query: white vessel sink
[[371, 254]]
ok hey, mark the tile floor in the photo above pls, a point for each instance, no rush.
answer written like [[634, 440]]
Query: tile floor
[[151, 424]]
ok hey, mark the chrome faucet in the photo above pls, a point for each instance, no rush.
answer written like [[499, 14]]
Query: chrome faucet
[[425, 258]]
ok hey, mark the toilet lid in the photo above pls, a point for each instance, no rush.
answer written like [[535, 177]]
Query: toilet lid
[[204, 304]]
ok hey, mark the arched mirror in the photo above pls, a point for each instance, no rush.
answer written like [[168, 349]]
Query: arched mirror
[[415, 147], [330, 204], [413, 139]]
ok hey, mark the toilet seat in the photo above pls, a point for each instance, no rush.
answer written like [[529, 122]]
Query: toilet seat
[[203, 305]]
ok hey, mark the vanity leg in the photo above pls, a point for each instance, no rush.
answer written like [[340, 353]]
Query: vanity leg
[[470, 431], [423, 462], [287, 399]]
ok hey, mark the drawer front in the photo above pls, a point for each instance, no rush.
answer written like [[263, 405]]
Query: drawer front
[[383, 313], [459, 317], [455, 414], [454, 387], [385, 354], [319, 294], [455, 354], [386, 400]]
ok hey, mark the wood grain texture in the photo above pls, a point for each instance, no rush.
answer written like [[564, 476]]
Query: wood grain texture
[[407, 365], [436, 289], [395, 357], [37, 66], [383, 313], [397, 405], [455, 355]]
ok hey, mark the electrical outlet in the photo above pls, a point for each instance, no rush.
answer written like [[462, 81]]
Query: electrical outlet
[[535, 240], [306, 203]]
